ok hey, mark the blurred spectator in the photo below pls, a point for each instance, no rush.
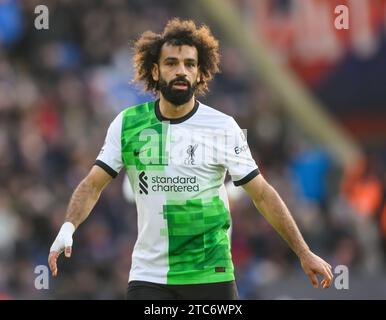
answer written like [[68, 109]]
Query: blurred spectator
[[362, 187], [11, 22]]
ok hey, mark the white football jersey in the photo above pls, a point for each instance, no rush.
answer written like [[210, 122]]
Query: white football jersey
[[176, 168]]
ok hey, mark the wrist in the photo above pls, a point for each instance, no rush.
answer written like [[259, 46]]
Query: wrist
[[67, 228], [64, 237], [302, 254]]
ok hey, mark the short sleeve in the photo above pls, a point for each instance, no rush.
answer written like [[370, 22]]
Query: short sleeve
[[110, 156], [238, 159]]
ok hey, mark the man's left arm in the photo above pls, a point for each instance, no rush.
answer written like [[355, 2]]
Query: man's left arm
[[272, 207]]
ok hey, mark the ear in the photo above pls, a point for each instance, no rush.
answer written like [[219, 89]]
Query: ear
[[198, 76], [155, 72]]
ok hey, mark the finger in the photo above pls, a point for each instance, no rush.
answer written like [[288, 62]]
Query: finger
[[326, 283], [330, 270], [67, 252], [330, 273], [324, 271], [313, 279], [53, 256], [52, 260], [327, 277]]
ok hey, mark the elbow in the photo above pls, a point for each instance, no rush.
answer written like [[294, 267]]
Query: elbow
[[263, 195]]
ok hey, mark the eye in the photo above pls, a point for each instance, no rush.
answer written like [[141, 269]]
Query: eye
[[170, 63], [190, 64]]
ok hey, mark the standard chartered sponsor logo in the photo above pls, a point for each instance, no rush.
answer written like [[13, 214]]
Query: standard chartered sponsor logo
[[168, 184], [143, 186], [175, 184]]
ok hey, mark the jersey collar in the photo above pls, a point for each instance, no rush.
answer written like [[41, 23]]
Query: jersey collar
[[175, 120]]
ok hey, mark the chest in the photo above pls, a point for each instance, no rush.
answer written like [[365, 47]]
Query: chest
[[191, 148]]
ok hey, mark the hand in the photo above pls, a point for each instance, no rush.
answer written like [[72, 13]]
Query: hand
[[63, 242], [314, 265]]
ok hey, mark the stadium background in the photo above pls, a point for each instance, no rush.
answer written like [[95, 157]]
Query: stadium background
[[60, 88]]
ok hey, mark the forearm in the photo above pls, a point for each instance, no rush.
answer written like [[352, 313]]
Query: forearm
[[82, 202], [277, 214]]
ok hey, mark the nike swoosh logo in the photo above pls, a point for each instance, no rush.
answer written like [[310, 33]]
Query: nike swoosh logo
[[138, 152]]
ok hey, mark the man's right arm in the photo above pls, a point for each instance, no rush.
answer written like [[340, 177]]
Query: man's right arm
[[82, 202], [86, 195]]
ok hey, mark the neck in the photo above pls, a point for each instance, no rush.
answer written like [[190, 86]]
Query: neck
[[171, 111]]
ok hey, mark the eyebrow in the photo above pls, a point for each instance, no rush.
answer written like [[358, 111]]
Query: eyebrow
[[176, 59]]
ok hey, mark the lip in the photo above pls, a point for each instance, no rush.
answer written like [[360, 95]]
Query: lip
[[179, 85]]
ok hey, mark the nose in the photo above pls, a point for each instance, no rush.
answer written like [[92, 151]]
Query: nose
[[181, 71]]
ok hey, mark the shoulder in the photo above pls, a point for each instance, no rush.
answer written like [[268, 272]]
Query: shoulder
[[138, 116], [215, 117], [131, 116], [139, 109]]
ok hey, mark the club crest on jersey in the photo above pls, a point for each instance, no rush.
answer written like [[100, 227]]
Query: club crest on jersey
[[190, 151]]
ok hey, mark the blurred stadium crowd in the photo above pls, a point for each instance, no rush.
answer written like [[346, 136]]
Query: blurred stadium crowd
[[59, 90]]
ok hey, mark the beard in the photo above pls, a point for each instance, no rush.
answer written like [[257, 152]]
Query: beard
[[177, 97]]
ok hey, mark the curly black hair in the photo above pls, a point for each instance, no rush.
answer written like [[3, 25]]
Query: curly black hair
[[177, 32]]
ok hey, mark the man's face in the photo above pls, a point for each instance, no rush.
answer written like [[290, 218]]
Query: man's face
[[177, 73]]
